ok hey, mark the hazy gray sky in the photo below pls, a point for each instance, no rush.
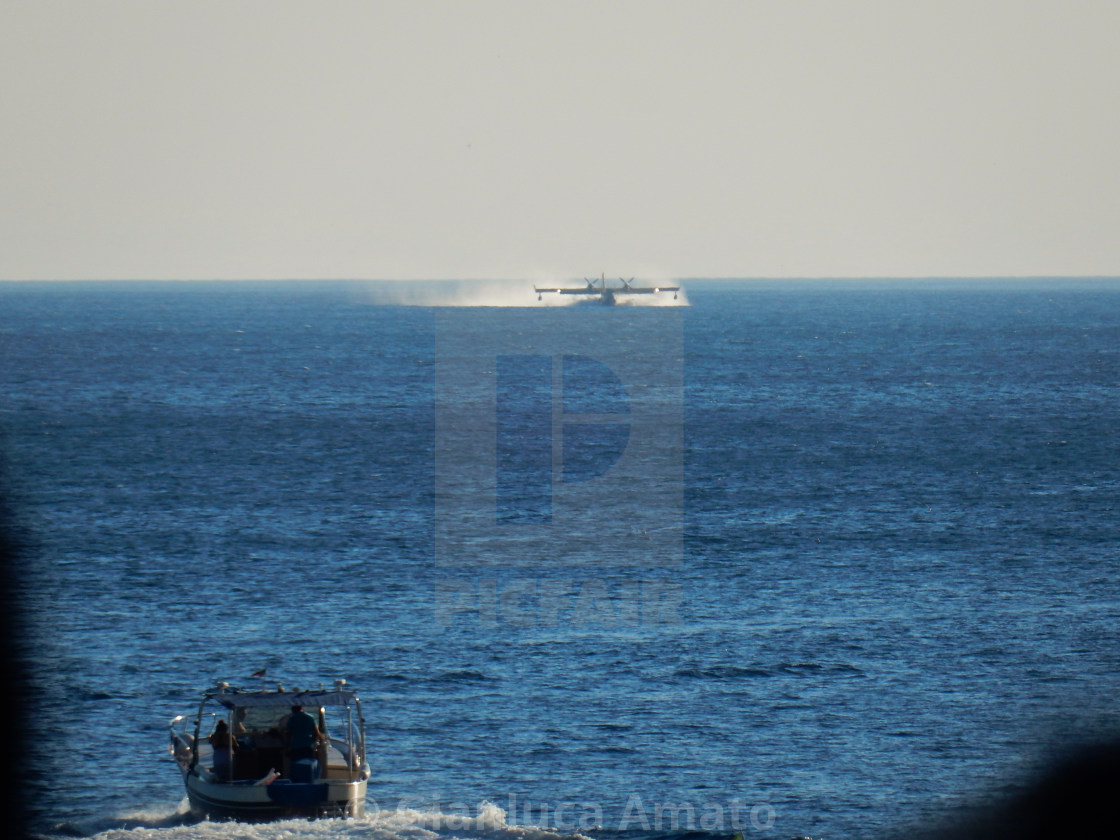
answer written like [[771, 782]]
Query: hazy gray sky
[[527, 139]]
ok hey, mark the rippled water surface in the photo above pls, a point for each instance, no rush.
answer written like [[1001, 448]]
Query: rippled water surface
[[898, 585]]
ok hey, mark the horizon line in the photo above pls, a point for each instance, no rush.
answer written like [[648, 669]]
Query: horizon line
[[528, 279]]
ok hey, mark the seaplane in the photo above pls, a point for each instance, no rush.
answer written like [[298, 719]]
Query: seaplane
[[608, 295]]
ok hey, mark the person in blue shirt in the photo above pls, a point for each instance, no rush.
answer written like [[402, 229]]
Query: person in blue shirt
[[302, 732]]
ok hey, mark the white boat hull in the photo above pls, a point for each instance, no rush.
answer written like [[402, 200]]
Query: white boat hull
[[251, 802]]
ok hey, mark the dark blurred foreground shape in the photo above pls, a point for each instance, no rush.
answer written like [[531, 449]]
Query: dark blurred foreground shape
[[16, 739], [1078, 798]]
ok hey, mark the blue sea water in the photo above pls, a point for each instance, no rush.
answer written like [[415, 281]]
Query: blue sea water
[[896, 595]]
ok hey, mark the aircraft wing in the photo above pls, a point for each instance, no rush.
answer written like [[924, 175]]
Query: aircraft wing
[[646, 291], [569, 291]]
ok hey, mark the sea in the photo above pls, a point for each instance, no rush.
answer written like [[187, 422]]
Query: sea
[[815, 558]]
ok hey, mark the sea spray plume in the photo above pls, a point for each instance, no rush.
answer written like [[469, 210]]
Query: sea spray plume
[[500, 293]]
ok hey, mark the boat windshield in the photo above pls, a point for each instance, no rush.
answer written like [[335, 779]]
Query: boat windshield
[[268, 719], [259, 719]]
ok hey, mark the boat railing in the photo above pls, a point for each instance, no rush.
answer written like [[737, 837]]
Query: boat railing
[[182, 741], [352, 759], [192, 750], [188, 742]]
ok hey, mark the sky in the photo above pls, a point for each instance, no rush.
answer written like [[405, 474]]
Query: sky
[[491, 139]]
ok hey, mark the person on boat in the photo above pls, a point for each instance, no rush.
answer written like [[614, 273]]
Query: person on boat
[[302, 732], [220, 741]]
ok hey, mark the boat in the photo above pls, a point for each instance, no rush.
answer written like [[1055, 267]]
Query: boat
[[238, 762]]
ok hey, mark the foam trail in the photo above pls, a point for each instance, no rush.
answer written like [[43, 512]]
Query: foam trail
[[487, 823]]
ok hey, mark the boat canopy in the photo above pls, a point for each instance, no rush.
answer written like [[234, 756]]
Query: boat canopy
[[283, 699]]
